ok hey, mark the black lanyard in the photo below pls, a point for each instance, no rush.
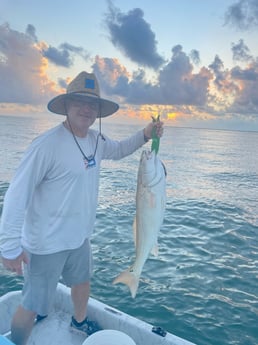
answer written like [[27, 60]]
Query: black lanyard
[[92, 157]]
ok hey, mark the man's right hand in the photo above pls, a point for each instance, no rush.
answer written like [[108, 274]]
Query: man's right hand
[[15, 265]]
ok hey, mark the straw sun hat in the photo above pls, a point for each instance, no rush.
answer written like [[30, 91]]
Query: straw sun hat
[[84, 88]]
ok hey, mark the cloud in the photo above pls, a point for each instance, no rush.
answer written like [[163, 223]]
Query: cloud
[[60, 57], [22, 68], [64, 55], [133, 35], [218, 68], [24, 64], [215, 90], [246, 100], [241, 52], [176, 83], [243, 14], [128, 88], [195, 56], [63, 83], [223, 88], [179, 85], [246, 74], [31, 31], [222, 77], [112, 76]]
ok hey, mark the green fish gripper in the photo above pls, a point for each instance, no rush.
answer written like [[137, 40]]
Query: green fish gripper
[[154, 137]]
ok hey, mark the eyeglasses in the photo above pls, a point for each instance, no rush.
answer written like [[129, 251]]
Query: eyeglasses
[[92, 105]]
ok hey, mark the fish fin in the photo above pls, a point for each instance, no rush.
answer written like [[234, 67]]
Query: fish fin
[[129, 278], [155, 250]]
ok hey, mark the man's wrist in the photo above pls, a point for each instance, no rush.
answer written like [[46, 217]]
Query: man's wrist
[[11, 254], [146, 138]]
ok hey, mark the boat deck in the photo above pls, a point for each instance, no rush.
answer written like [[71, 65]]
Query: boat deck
[[55, 329]]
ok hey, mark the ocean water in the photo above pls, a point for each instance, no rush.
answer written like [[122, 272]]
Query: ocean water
[[203, 286]]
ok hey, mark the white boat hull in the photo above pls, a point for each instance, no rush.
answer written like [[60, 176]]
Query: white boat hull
[[54, 330]]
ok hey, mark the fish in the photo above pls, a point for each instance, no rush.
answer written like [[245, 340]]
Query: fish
[[150, 210]]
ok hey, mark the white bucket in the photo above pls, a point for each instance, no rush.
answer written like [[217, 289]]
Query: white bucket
[[109, 337]]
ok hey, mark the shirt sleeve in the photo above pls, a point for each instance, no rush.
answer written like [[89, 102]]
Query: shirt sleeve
[[119, 149], [30, 172]]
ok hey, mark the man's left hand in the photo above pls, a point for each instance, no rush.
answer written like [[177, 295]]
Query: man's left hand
[[159, 129]]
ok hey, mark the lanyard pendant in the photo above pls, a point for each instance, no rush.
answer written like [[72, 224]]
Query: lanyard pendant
[[89, 162]]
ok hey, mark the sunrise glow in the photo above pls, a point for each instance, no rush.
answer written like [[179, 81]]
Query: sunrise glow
[[185, 80]]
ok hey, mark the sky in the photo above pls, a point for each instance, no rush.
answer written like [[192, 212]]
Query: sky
[[193, 62]]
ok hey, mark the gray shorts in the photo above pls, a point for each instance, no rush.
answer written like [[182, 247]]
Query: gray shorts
[[43, 273]]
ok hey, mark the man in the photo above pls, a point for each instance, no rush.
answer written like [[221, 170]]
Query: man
[[50, 206]]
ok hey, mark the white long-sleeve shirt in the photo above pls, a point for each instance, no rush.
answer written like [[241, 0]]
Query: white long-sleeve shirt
[[51, 202]]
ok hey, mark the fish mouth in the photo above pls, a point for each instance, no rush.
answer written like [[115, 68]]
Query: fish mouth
[[149, 162], [147, 154]]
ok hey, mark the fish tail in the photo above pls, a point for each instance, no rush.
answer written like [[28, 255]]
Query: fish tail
[[129, 278]]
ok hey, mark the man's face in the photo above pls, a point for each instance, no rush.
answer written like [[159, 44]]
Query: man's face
[[82, 114]]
